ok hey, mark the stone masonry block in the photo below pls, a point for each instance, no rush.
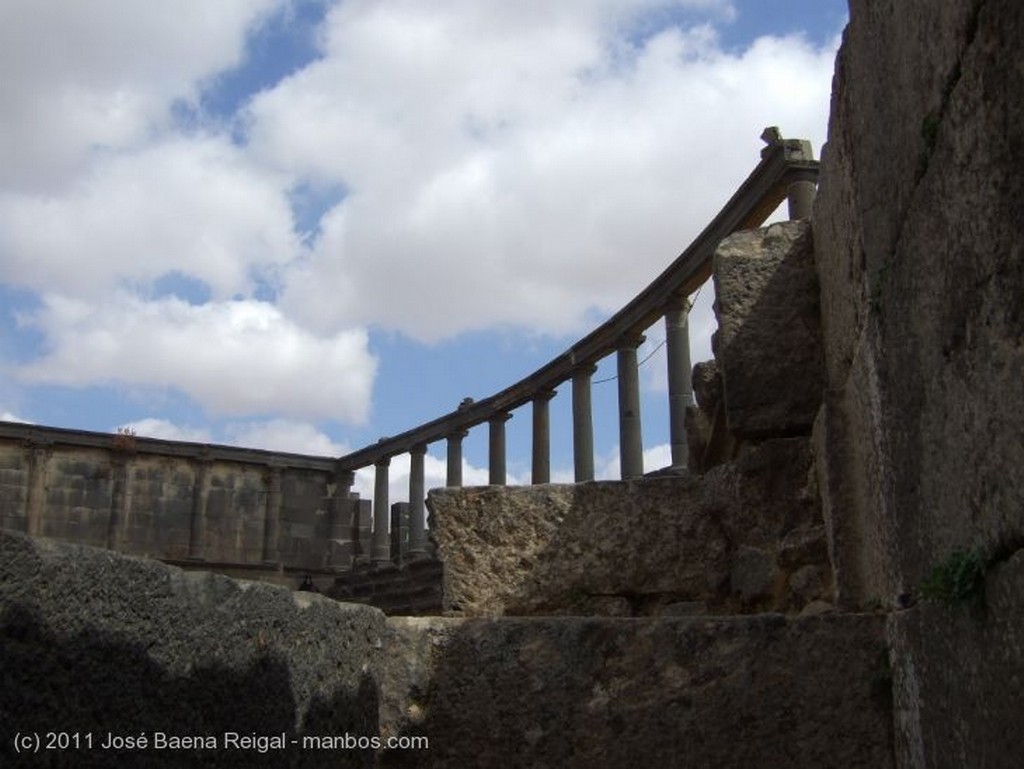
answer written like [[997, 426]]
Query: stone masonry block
[[769, 347], [738, 692]]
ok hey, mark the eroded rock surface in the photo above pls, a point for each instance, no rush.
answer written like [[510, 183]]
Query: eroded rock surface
[[731, 541], [95, 642]]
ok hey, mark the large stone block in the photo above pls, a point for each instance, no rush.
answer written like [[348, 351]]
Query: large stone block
[[741, 692], [769, 340], [918, 238], [932, 286], [957, 674], [92, 642], [640, 545]]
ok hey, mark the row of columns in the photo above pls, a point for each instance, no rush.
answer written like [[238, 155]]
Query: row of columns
[[800, 195], [630, 434]]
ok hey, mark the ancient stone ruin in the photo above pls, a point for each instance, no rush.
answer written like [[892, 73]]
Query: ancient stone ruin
[[835, 579]]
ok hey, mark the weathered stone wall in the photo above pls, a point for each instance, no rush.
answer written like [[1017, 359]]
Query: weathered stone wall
[[742, 692], [412, 588], [920, 246], [177, 501], [746, 537], [93, 642]]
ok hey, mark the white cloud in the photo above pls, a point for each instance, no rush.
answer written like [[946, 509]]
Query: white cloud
[[190, 206], [284, 435], [235, 358], [85, 76], [152, 427], [521, 164], [9, 416], [606, 468], [518, 170]]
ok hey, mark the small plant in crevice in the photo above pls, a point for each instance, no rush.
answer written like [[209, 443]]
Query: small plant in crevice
[[960, 578], [124, 440]]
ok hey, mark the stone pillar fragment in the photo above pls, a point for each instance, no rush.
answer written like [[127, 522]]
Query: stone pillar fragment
[[381, 513], [631, 445], [582, 425], [680, 388], [496, 445], [417, 510], [542, 437]]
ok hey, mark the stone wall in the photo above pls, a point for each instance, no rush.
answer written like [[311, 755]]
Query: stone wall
[[93, 642], [920, 245], [249, 514], [176, 501], [743, 692], [412, 588], [746, 537]]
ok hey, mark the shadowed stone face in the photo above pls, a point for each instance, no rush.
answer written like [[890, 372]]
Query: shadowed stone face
[[769, 340]]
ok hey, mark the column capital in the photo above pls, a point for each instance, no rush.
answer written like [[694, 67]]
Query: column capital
[[677, 303], [544, 395], [419, 449], [631, 340], [382, 462], [584, 369], [458, 435], [500, 418]]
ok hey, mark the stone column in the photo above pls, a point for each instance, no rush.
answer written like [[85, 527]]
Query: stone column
[[680, 388], [400, 532], [118, 500], [800, 196], [381, 513], [454, 477], [582, 425], [35, 499], [196, 527], [631, 445], [272, 521], [417, 510], [542, 437], [496, 445]]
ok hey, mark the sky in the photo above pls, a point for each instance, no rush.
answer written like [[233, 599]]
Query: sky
[[301, 225]]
